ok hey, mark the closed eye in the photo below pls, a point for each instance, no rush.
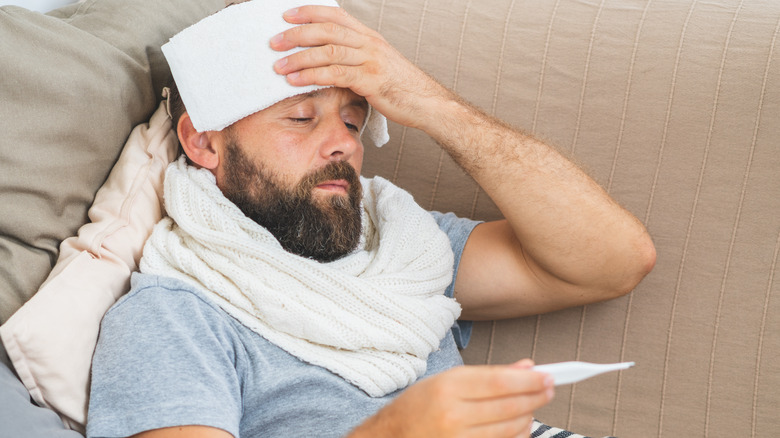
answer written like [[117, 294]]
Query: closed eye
[[352, 127]]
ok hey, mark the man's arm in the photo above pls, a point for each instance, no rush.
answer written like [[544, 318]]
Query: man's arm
[[185, 432], [564, 242]]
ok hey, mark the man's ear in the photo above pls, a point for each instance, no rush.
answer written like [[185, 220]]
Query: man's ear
[[197, 145]]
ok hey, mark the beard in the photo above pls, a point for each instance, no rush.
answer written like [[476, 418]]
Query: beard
[[321, 229]]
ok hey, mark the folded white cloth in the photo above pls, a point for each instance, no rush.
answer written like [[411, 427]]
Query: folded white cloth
[[223, 65]]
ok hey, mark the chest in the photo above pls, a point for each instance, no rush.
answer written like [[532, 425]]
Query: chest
[[286, 397]]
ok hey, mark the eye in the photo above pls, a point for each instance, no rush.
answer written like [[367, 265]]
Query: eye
[[352, 127], [300, 119]]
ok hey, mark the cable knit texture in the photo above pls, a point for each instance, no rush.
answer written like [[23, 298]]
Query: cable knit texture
[[372, 317]]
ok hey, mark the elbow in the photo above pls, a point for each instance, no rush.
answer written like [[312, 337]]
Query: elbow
[[637, 265], [649, 257]]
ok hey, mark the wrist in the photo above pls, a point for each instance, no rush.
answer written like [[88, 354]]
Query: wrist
[[443, 114]]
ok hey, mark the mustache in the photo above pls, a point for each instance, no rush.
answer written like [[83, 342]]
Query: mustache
[[331, 171]]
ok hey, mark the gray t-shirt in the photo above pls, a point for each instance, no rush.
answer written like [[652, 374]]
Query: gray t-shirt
[[168, 356]]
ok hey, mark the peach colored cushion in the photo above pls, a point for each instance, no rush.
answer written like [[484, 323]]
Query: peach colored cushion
[[50, 340]]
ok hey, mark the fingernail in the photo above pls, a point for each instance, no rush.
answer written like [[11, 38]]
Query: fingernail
[[550, 393], [549, 382], [291, 12], [278, 65], [292, 77], [277, 38]]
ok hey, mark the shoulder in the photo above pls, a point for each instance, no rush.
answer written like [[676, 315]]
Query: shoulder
[[160, 311], [145, 288], [152, 297], [164, 343]]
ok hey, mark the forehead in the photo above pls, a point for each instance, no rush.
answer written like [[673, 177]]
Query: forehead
[[334, 98], [343, 96]]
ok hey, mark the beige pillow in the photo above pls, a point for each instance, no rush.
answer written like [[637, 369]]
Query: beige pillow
[[51, 339]]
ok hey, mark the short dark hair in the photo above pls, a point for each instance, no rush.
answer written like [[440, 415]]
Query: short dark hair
[[175, 104], [175, 110]]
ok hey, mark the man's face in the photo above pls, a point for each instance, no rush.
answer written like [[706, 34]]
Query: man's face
[[293, 168]]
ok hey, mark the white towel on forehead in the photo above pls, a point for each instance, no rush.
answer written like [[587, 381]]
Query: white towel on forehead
[[223, 65]]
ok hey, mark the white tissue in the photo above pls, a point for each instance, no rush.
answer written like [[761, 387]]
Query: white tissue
[[223, 65]]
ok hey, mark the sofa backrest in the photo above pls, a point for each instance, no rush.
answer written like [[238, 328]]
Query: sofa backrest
[[674, 107]]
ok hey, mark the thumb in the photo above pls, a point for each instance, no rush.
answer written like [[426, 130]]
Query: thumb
[[523, 364]]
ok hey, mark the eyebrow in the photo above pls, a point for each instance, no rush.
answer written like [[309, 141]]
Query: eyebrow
[[359, 102]]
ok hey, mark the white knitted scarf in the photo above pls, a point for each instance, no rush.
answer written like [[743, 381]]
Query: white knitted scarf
[[371, 317]]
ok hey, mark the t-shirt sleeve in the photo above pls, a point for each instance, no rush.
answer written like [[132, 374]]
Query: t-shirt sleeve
[[458, 230], [164, 358]]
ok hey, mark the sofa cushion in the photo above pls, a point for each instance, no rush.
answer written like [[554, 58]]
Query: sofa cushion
[[75, 82]]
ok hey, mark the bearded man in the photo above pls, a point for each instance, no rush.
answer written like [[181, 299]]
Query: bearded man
[[285, 295]]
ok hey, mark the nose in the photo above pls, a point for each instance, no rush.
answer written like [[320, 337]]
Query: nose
[[339, 142]]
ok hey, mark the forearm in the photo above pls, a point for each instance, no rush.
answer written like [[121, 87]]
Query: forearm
[[568, 227]]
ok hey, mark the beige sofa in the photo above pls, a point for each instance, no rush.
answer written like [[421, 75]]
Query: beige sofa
[[674, 106]]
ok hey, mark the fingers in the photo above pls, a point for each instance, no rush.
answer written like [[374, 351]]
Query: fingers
[[508, 412], [500, 400], [325, 14], [321, 56], [502, 381], [341, 51], [506, 409], [503, 403], [332, 75], [322, 25], [516, 393], [317, 34]]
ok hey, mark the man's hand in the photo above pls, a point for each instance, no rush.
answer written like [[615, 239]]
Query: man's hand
[[468, 401], [347, 54]]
